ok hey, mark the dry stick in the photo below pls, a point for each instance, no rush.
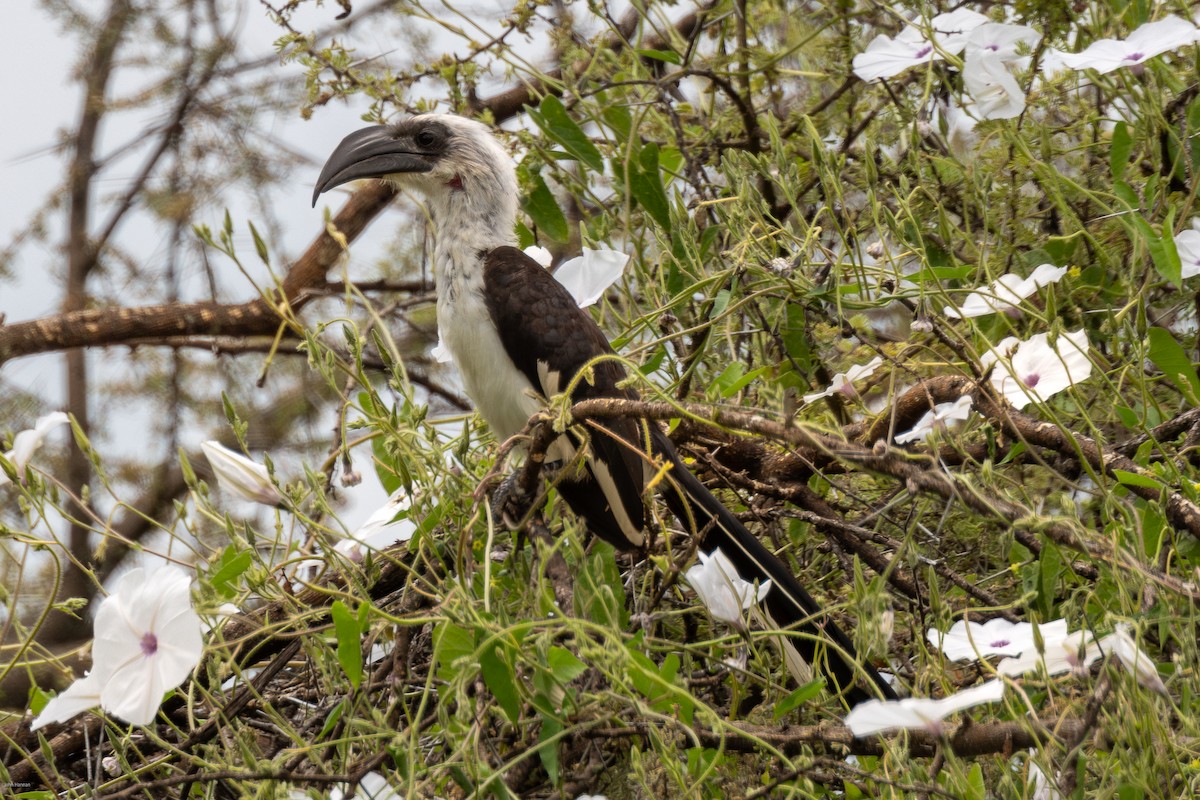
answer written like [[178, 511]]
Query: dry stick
[[109, 326], [916, 476], [968, 739], [1181, 512]]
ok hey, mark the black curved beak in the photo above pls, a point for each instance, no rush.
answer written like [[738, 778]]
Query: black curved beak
[[370, 153]]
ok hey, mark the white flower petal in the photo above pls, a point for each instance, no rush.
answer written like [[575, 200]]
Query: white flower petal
[[1187, 243], [240, 476], [80, 696], [968, 641], [382, 528], [28, 441], [540, 254], [587, 276], [1002, 41], [1075, 652], [993, 88], [1035, 370], [1140, 665], [724, 593], [843, 381], [942, 417], [1149, 40], [880, 716]]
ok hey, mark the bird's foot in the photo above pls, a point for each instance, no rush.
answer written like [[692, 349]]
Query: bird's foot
[[510, 503]]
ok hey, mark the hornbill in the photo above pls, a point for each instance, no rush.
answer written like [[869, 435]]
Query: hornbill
[[518, 338]]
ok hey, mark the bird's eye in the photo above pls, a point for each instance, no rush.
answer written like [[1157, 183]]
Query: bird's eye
[[426, 138]]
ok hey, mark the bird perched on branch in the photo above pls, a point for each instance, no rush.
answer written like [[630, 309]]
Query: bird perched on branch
[[519, 338]]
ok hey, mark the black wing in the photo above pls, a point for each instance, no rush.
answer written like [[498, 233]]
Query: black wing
[[550, 339]]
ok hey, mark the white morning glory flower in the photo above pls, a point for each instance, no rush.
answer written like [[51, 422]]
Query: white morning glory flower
[[886, 57], [969, 641], [941, 418], [585, 277], [148, 640], [1148, 41], [1139, 664], [241, 476], [843, 382], [1003, 41], [26, 442], [1187, 244], [724, 593], [992, 87], [881, 716], [1036, 370], [1073, 652], [1006, 292]]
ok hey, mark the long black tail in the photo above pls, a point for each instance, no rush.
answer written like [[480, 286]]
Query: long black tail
[[822, 644]]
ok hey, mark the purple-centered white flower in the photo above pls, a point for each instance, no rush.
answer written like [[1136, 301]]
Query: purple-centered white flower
[[1141, 666], [916, 44], [941, 418], [1073, 652], [968, 641], [148, 640], [1009, 43], [1149, 40], [28, 441], [1035, 369], [843, 382], [1006, 292], [586, 277], [724, 593], [241, 476], [992, 87], [881, 716]]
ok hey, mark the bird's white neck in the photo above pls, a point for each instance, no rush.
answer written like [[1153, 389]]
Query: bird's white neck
[[469, 219]]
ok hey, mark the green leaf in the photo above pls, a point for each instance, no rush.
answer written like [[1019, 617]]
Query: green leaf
[[1136, 479], [548, 750], [349, 642], [720, 303], [451, 644], [1119, 150], [1170, 357], [331, 719], [618, 118], [501, 682], [645, 183], [564, 665], [232, 563], [976, 788], [669, 56], [1162, 248], [559, 126], [802, 695], [543, 209]]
